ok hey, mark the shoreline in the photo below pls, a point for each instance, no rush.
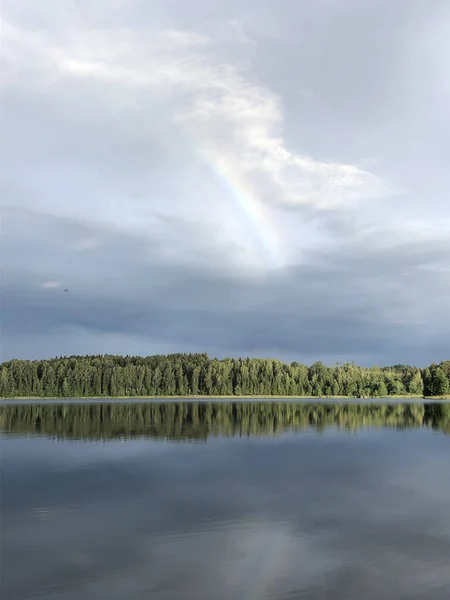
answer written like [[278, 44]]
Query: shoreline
[[226, 397]]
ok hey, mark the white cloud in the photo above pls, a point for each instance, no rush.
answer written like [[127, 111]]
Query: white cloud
[[232, 124], [228, 115], [50, 285]]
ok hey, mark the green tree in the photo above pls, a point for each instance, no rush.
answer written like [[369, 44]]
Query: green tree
[[440, 384], [382, 390], [416, 383], [184, 374]]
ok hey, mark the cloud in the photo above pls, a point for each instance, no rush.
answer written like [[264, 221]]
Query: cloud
[[351, 300], [196, 179], [49, 285], [229, 118], [231, 126]]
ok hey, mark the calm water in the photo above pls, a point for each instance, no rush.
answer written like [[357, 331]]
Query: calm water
[[225, 501]]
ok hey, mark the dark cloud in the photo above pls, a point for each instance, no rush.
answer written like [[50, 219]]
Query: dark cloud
[[354, 300]]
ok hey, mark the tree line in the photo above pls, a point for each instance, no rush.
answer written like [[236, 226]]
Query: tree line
[[196, 421], [198, 375]]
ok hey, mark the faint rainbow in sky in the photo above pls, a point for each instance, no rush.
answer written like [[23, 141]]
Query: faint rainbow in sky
[[265, 234]]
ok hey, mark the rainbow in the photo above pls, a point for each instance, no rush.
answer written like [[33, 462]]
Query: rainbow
[[261, 221]]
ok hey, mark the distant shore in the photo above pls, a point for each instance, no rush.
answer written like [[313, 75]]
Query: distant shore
[[229, 397], [199, 377]]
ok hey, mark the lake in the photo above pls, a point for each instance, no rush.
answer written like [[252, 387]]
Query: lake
[[225, 500]]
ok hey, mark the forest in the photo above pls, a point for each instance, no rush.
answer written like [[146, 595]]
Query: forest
[[196, 421], [187, 375]]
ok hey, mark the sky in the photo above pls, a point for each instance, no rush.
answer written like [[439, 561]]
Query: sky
[[233, 177]]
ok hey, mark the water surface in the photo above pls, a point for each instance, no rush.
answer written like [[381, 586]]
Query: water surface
[[225, 501]]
